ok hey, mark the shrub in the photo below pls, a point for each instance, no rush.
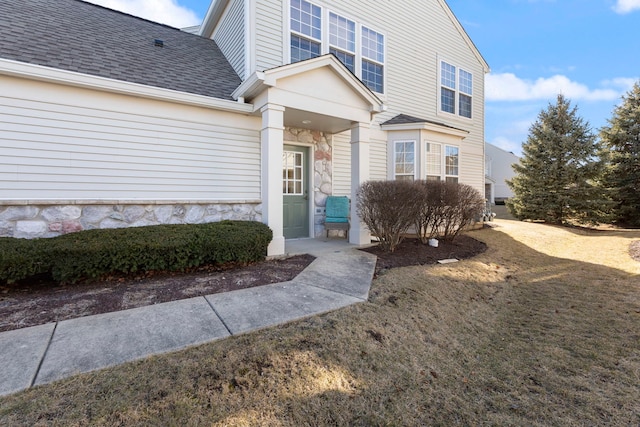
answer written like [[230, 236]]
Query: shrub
[[446, 209], [95, 253], [388, 209]]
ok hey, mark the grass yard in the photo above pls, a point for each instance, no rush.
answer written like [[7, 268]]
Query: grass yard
[[541, 329]]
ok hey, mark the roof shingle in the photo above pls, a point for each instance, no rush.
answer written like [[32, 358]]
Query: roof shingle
[[77, 36]]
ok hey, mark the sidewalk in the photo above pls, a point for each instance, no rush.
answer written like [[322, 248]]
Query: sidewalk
[[339, 276]]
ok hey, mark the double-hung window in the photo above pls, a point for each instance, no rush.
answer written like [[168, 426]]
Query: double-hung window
[[317, 31], [452, 161], [442, 165], [434, 161], [404, 160], [306, 30], [342, 40], [456, 90], [373, 59]]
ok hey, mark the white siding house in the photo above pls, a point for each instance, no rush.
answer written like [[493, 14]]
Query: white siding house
[[498, 169], [271, 107]]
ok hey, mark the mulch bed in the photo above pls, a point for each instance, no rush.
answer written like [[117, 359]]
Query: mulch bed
[[37, 302], [412, 251]]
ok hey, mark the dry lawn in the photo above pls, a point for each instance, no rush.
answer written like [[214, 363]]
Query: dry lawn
[[542, 329]]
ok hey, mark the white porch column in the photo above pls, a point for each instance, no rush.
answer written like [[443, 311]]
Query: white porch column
[[272, 136], [359, 233]]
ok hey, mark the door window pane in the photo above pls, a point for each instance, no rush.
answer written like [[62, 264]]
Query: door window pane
[[293, 173]]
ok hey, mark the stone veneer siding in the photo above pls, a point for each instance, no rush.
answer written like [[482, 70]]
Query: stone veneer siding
[[322, 171], [54, 219]]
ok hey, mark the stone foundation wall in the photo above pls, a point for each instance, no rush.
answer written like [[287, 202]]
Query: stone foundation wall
[[50, 220]]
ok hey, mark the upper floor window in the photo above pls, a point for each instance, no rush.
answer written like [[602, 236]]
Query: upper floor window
[[404, 160], [372, 59], [342, 40], [306, 30], [316, 31], [456, 90]]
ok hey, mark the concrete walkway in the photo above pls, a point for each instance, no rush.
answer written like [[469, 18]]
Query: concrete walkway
[[339, 276]]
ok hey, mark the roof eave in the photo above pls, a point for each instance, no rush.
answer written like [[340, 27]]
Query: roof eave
[[71, 78], [427, 126]]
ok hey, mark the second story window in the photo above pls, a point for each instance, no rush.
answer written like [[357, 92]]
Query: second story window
[[372, 59], [342, 40], [306, 30], [456, 90], [316, 31]]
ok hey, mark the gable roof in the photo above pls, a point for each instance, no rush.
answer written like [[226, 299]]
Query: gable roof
[[82, 37], [256, 82]]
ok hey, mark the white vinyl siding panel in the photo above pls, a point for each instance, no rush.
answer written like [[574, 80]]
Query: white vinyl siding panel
[[342, 164], [55, 150], [269, 34], [342, 161], [230, 36], [378, 156]]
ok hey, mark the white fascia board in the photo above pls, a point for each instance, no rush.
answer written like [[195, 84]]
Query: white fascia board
[[212, 18], [251, 86], [72, 78], [429, 127]]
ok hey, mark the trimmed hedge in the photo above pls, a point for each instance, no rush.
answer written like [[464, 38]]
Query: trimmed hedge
[[95, 253]]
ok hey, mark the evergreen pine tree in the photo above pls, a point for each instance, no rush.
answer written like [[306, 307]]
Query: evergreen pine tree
[[556, 180], [621, 139]]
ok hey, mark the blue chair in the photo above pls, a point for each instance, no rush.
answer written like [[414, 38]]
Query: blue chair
[[337, 214]]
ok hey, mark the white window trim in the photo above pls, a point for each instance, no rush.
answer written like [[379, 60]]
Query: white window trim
[[324, 42], [444, 164], [443, 160], [457, 91], [415, 166]]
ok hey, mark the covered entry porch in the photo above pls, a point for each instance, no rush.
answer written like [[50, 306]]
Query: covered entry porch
[[321, 95]]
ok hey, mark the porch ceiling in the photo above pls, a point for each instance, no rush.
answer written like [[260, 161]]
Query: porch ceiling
[[309, 120]]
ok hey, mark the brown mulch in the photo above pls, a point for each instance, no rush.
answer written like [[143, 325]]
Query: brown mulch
[[31, 303], [414, 252], [38, 302]]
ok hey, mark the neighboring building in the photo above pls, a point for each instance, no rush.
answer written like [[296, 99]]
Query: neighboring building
[[498, 169], [108, 120]]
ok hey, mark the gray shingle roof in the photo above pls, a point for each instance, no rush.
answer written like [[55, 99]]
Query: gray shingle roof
[[402, 119], [78, 36]]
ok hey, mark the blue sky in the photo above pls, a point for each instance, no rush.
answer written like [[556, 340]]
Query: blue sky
[[588, 50]]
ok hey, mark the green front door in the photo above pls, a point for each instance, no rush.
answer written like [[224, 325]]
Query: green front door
[[295, 188]]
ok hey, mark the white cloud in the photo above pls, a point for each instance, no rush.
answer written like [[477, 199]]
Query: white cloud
[[167, 12], [509, 87], [626, 6], [507, 144]]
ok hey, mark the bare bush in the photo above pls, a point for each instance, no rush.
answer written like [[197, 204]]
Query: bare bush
[[388, 209], [446, 209]]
